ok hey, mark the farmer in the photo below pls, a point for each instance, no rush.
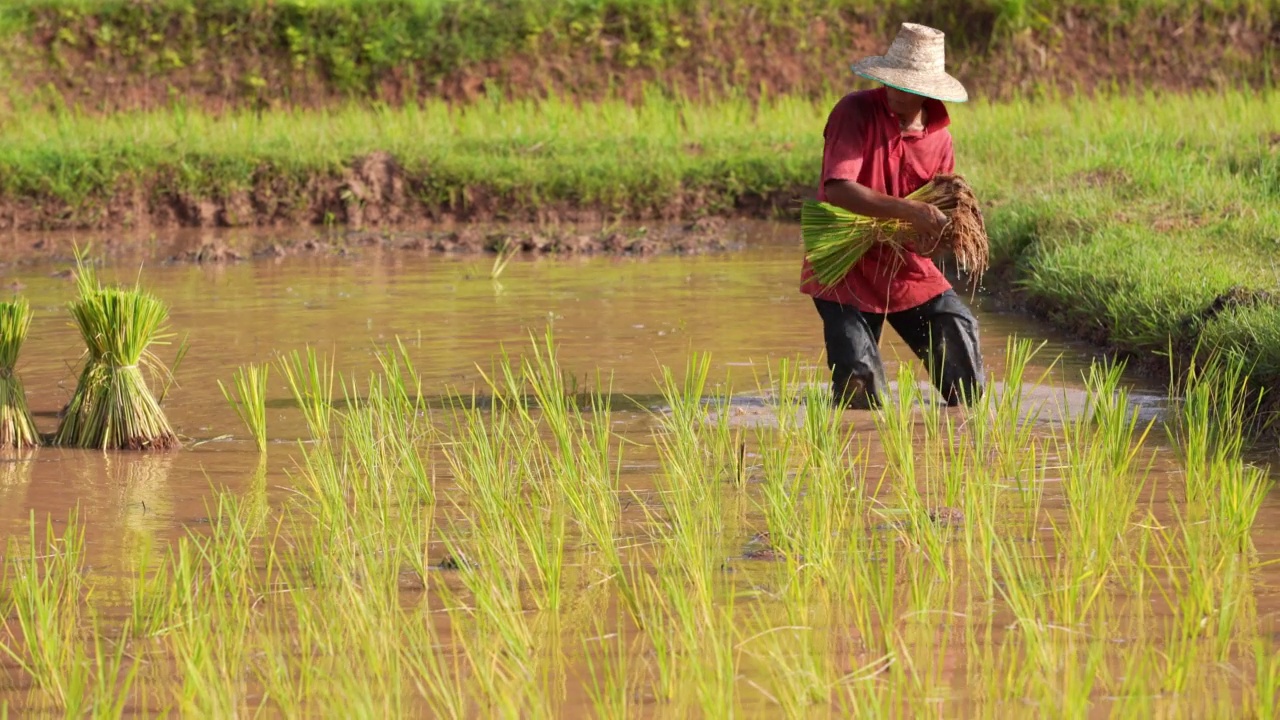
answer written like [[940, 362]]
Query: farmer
[[881, 145]]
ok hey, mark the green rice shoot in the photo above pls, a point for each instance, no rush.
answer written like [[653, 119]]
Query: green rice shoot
[[17, 428], [112, 407], [835, 239], [249, 400]]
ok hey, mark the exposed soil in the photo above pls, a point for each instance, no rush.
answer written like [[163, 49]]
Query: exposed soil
[[707, 235], [372, 191]]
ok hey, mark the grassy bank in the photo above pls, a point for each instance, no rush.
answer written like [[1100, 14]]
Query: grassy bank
[[113, 54], [1143, 225], [512, 160]]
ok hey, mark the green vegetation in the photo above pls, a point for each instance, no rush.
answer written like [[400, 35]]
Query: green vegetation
[[506, 159], [17, 428], [112, 407], [1078, 582], [1142, 223], [835, 239], [293, 50], [250, 400]]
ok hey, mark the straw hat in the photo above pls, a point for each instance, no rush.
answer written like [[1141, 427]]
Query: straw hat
[[915, 63]]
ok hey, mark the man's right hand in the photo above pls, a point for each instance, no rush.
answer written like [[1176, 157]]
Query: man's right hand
[[927, 220]]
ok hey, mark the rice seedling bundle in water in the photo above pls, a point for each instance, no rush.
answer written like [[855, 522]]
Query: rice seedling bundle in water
[[835, 239], [17, 429], [113, 408]]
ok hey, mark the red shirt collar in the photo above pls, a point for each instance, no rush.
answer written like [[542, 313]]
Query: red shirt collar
[[935, 112]]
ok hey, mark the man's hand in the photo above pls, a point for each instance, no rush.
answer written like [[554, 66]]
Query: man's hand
[[927, 220]]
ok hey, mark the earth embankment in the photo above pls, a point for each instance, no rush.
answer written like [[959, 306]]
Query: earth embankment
[[127, 54]]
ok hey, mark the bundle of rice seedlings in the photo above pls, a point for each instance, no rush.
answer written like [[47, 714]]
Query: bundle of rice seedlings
[[113, 408], [17, 428], [835, 239]]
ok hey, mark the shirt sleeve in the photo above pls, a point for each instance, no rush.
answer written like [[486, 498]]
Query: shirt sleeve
[[845, 136]]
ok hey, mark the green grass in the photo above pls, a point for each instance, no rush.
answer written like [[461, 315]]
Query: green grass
[[513, 158], [1120, 218], [350, 47]]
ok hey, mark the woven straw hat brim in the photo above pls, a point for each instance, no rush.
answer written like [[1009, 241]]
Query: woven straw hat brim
[[936, 85]]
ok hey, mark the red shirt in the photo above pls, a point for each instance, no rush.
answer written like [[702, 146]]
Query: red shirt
[[864, 144]]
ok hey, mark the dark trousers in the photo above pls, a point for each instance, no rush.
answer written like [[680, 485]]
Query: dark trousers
[[942, 332]]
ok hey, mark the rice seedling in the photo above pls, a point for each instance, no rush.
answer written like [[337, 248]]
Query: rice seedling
[[1065, 587], [227, 551], [311, 380], [211, 650], [152, 603], [1210, 434], [107, 677], [17, 427], [501, 546], [1266, 681], [781, 501], [836, 498], [171, 377], [835, 239], [691, 492], [606, 655], [1015, 422], [112, 407], [374, 687], [299, 652], [897, 429], [793, 652], [494, 636], [250, 400], [286, 677], [434, 669], [714, 651], [47, 593], [502, 258]]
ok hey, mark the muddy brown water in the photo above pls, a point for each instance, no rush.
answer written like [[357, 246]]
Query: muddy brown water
[[620, 316]]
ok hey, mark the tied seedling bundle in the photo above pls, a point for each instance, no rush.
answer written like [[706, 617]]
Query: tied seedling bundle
[[17, 428], [835, 239], [113, 408]]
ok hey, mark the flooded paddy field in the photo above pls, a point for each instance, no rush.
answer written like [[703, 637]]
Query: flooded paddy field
[[654, 513]]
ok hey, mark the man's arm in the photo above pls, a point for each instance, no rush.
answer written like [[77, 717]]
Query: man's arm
[[927, 219]]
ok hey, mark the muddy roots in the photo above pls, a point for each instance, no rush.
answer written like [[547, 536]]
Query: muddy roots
[[965, 235]]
